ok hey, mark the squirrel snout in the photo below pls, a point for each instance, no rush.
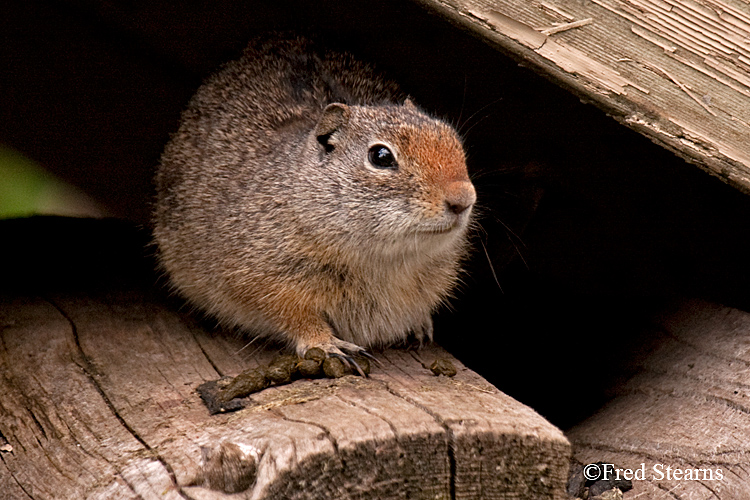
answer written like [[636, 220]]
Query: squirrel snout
[[460, 196]]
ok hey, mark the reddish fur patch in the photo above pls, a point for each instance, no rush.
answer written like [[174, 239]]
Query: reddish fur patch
[[436, 152]]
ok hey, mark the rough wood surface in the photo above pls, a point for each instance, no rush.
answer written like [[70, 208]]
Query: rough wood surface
[[677, 71], [99, 401], [686, 408]]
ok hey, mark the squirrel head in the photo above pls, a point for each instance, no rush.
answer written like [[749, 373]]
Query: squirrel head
[[396, 170]]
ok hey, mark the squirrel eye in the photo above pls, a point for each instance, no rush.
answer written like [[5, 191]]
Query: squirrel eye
[[382, 157]]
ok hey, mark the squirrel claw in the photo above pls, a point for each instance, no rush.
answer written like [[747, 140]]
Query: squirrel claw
[[345, 351], [359, 351], [349, 361], [369, 356]]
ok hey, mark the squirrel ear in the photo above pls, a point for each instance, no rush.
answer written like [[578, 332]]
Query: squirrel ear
[[334, 116], [409, 104]]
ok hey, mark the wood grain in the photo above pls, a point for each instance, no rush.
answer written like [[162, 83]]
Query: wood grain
[[676, 71], [99, 401], [686, 407]]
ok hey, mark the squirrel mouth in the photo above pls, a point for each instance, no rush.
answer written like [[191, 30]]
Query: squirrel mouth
[[444, 226], [439, 229]]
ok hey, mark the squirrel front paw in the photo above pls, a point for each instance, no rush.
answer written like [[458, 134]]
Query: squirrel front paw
[[339, 349]]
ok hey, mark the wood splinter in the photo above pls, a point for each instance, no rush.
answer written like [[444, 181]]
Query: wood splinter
[[566, 26]]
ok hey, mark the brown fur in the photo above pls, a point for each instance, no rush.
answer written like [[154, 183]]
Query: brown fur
[[270, 216]]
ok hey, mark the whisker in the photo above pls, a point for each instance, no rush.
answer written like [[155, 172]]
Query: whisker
[[492, 268], [460, 128], [245, 346], [463, 100], [513, 237], [510, 231], [466, 133], [262, 346]]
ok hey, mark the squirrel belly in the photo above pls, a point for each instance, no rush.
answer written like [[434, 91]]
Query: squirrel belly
[[305, 198]]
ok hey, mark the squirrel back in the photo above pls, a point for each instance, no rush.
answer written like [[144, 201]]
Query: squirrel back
[[305, 197]]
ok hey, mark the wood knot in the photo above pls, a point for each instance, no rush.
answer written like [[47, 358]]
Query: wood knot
[[232, 468]]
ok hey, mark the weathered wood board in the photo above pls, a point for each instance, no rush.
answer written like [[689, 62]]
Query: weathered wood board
[[686, 408], [677, 71], [99, 401]]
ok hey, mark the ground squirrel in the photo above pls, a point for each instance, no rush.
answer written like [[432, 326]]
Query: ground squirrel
[[305, 197]]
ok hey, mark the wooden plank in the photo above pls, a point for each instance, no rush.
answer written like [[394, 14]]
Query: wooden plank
[[677, 71], [63, 436], [686, 408], [99, 401]]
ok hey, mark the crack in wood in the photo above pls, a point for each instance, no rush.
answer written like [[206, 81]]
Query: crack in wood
[[370, 412], [183, 494], [739, 466], [448, 432], [36, 421], [128, 484], [3, 439], [399, 368], [206, 355], [419, 359], [728, 402], [665, 490], [89, 370], [326, 432], [323, 428], [15, 479], [709, 489], [736, 451]]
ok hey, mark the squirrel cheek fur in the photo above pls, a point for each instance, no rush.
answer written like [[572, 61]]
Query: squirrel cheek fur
[[289, 213]]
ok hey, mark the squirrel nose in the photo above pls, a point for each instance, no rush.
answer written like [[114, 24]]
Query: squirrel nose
[[460, 196]]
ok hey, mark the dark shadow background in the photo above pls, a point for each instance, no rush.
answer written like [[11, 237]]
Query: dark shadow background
[[588, 226]]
